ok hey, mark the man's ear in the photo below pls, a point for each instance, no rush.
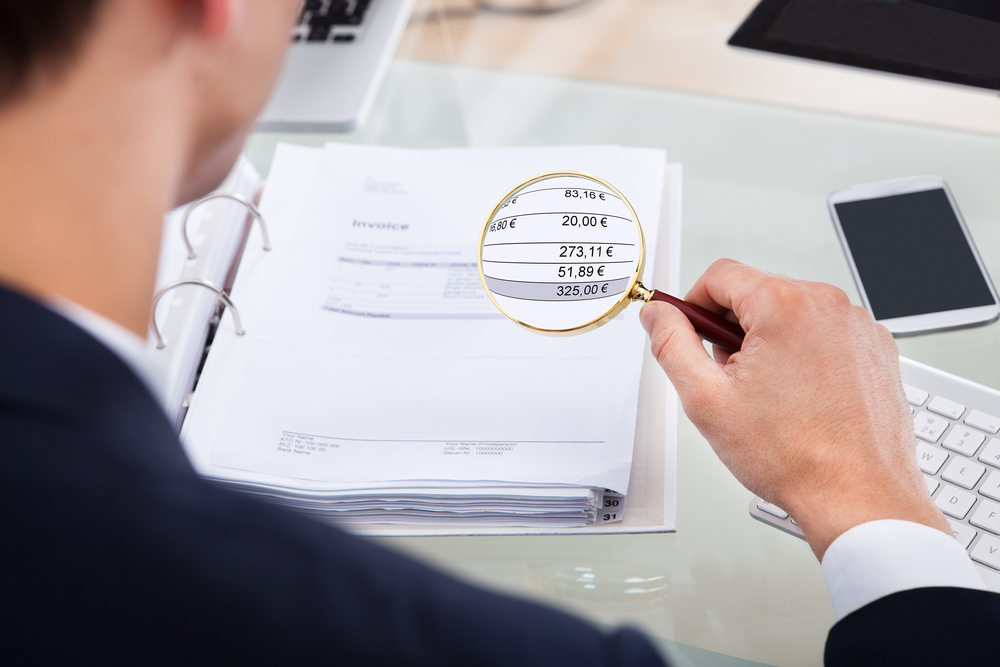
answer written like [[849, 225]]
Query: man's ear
[[220, 17]]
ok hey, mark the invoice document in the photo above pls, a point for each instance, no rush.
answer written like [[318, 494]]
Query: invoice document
[[380, 359]]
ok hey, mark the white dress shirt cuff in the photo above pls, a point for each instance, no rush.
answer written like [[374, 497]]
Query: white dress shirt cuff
[[879, 558]]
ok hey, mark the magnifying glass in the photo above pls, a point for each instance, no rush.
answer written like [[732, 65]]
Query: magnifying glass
[[562, 254]]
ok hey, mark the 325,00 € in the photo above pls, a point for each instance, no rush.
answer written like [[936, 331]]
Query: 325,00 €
[[590, 289]]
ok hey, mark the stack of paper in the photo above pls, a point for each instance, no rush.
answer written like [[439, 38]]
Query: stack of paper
[[442, 504], [378, 384]]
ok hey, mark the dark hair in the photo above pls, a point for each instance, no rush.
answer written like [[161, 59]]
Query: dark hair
[[38, 35]]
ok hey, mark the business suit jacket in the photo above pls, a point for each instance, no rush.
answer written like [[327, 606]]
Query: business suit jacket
[[115, 551]]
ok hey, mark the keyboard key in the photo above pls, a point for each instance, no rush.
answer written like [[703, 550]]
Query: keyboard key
[[932, 484], [930, 459], [987, 516], [987, 552], [991, 454], [955, 502], [962, 533], [946, 408], [984, 421], [965, 441], [773, 510], [914, 396], [991, 487], [318, 33], [928, 427], [963, 472]]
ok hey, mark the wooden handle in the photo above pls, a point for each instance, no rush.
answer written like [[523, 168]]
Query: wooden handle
[[708, 325]]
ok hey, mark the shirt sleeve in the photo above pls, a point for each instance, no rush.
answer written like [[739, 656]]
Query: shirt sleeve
[[879, 558]]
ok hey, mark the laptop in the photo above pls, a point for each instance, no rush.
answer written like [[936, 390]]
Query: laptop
[[340, 52]]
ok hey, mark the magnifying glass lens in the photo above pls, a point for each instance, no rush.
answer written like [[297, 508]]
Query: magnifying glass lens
[[561, 253]]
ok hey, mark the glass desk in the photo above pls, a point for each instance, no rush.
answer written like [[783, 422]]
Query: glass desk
[[726, 590]]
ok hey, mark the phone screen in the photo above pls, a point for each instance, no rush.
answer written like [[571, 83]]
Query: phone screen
[[911, 255]]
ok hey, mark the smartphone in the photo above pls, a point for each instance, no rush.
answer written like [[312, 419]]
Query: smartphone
[[912, 257]]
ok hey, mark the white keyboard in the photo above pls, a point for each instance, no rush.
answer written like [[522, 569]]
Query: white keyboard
[[957, 428]]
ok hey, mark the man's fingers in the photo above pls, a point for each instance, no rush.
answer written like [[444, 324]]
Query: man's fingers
[[678, 350], [723, 288], [701, 293]]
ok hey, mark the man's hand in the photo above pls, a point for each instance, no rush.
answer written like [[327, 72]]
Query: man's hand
[[810, 414]]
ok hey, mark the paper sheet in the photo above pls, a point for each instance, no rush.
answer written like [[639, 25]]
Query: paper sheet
[[380, 357]]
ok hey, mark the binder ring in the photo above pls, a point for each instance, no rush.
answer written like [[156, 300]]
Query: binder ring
[[254, 211], [190, 281]]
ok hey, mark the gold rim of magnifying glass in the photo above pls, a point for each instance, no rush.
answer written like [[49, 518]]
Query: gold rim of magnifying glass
[[628, 296]]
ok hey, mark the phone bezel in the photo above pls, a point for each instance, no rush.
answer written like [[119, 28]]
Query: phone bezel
[[928, 322]]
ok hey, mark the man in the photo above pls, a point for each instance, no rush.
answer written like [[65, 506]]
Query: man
[[113, 111]]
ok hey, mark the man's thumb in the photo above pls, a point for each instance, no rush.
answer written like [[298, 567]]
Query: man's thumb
[[676, 346]]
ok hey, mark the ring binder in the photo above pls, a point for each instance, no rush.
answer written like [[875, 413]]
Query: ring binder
[[191, 281], [650, 506], [223, 195]]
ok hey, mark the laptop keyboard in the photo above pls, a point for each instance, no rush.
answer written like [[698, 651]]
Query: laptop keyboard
[[330, 21], [957, 429]]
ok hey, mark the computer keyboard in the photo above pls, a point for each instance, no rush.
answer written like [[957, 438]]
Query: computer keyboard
[[957, 427], [330, 21]]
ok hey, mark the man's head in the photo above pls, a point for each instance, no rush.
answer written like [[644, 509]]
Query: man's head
[[112, 112], [229, 50], [38, 38]]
